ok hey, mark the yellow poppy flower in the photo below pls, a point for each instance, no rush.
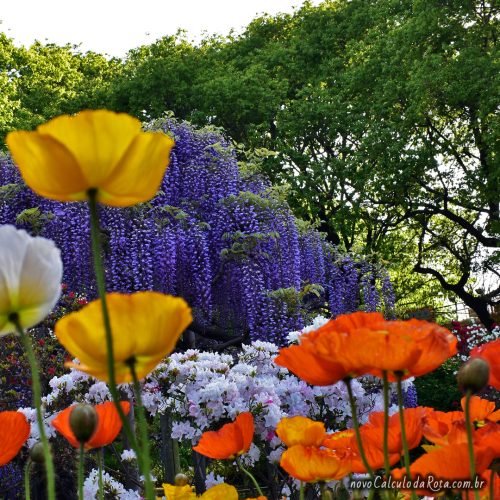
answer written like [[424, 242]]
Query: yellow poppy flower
[[92, 150], [219, 491], [186, 492], [301, 430], [145, 326], [179, 492]]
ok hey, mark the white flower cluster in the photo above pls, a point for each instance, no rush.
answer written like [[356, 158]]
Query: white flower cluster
[[112, 488], [34, 437], [199, 389], [474, 335]]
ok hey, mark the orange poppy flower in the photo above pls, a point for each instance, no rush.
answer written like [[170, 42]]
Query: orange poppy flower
[[374, 429], [400, 348], [312, 464], [230, 440], [488, 436], [301, 430], [438, 425], [449, 462], [344, 446], [481, 410], [490, 352], [484, 493], [344, 443], [303, 362], [14, 432], [108, 427]]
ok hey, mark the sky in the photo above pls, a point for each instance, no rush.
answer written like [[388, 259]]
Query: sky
[[113, 27]]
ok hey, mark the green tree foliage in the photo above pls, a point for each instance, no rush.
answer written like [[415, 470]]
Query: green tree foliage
[[43, 81]]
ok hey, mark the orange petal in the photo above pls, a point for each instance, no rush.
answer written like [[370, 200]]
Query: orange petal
[[309, 367], [491, 353], [480, 409], [301, 430], [14, 432], [230, 440], [449, 462], [109, 424], [312, 464]]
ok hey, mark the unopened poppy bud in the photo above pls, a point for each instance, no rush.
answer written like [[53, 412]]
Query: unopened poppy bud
[[83, 422], [473, 375], [181, 479], [495, 465], [327, 495], [36, 453]]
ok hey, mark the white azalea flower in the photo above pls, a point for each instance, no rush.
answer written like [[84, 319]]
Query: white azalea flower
[[30, 278]]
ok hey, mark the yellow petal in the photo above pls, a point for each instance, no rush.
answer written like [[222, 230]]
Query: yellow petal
[[170, 315], [47, 166], [174, 492], [145, 327], [219, 491], [140, 171], [96, 138]]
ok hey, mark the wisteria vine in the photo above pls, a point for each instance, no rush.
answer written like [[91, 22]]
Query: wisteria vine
[[224, 241]]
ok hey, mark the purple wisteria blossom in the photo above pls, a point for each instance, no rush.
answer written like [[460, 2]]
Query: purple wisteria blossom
[[224, 241]]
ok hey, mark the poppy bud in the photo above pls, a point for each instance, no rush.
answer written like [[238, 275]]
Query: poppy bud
[[83, 422], [36, 453], [473, 375], [327, 495], [181, 479]]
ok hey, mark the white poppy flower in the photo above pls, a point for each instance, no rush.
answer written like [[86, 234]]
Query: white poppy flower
[[30, 278]]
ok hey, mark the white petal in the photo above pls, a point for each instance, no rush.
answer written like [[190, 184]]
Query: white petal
[[30, 277], [13, 245]]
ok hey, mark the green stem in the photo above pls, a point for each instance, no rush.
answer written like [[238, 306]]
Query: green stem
[[387, 465], [144, 456], [100, 461], [251, 476], [470, 444], [302, 490], [355, 424], [492, 484], [406, 453], [101, 289], [37, 401], [81, 458], [27, 471]]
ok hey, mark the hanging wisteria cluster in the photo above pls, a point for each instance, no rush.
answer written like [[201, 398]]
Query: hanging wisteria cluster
[[224, 241]]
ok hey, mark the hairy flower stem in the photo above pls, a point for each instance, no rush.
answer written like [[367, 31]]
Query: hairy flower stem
[[470, 445], [27, 472], [355, 424], [387, 466], [101, 289], [100, 462], [37, 401], [302, 491], [144, 456], [251, 476], [81, 459], [406, 453]]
